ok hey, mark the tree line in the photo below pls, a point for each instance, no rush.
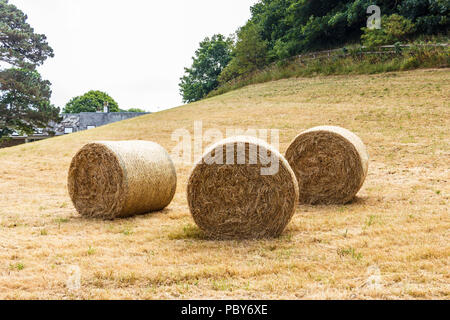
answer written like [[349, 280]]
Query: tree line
[[279, 29]]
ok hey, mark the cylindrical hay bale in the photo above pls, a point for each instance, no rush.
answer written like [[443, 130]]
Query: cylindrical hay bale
[[120, 179], [330, 163], [242, 188]]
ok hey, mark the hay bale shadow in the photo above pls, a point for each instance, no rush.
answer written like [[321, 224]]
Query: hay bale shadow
[[193, 232], [188, 232]]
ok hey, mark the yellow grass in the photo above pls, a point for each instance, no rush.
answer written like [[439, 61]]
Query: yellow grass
[[393, 242]]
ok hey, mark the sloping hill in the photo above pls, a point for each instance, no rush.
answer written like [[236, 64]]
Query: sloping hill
[[393, 242]]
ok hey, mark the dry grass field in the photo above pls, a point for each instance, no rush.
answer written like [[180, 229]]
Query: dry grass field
[[392, 242]]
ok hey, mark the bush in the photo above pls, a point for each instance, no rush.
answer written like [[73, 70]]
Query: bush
[[398, 28], [373, 38], [395, 28]]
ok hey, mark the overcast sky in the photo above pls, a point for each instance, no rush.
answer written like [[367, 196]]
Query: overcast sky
[[135, 50]]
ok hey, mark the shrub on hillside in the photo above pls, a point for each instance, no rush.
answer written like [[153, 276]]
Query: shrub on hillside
[[395, 28]]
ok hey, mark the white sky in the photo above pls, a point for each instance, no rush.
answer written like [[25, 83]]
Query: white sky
[[134, 50]]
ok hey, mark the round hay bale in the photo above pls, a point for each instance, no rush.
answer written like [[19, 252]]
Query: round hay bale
[[242, 188], [330, 163], [121, 179]]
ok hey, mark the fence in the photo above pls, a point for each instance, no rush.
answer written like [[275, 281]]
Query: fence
[[328, 53]]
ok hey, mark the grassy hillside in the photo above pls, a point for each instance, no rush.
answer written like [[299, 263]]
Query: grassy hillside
[[392, 242], [355, 60]]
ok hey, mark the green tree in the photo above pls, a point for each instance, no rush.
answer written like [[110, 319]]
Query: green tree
[[209, 61], [296, 26], [19, 45], [429, 16], [292, 27], [24, 102], [285, 28], [91, 101], [249, 53], [24, 95]]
